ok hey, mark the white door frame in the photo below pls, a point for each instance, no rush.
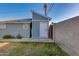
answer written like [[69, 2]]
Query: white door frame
[[43, 29]]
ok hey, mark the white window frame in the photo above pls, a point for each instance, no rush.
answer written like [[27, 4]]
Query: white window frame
[[2, 26], [25, 26]]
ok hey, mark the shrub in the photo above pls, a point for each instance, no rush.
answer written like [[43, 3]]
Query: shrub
[[18, 36], [8, 36]]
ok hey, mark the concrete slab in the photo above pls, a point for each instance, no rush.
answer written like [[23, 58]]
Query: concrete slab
[[26, 40]]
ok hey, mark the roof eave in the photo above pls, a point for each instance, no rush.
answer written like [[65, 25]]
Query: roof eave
[[42, 15], [15, 22]]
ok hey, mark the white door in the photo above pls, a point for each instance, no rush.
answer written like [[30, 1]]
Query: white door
[[43, 30]]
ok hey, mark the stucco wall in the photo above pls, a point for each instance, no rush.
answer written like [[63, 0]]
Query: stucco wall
[[36, 19], [66, 35], [14, 29]]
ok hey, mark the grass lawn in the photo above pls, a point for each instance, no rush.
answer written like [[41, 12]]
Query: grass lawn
[[31, 49]]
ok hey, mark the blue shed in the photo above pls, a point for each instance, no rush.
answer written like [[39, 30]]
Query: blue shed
[[40, 25]]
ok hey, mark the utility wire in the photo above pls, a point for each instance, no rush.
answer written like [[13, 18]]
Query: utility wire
[[50, 8]]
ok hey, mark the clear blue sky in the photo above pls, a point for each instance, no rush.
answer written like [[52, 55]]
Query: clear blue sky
[[59, 12]]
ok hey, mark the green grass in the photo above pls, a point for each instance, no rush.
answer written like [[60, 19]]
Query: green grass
[[34, 49]]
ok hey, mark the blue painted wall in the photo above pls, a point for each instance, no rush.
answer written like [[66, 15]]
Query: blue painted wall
[[14, 29], [36, 19], [35, 29]]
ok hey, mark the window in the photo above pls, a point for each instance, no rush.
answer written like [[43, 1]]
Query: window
[[2, 26], [25, 26]]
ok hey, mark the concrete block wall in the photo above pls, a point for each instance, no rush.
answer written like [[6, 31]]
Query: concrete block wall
[[66, 35]]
